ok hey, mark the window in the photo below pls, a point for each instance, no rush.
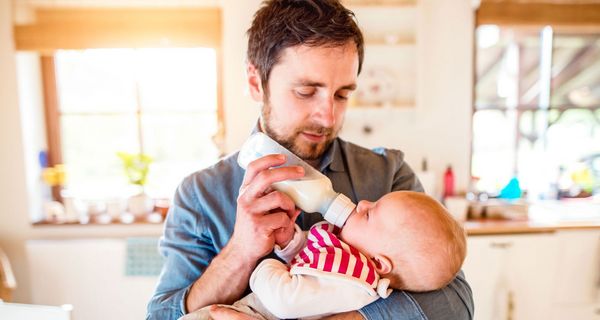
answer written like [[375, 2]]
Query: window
[[140, 79], [537, 106], [159, 102]]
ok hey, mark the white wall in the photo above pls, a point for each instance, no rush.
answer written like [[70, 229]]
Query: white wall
[[13, 191], [438, 128], [101, 291], [445, 89], [240, 112]]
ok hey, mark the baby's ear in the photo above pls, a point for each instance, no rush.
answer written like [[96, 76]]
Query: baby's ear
[[383, 264]]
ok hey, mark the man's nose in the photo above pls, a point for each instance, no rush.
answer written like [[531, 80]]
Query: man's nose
[[326, 112]]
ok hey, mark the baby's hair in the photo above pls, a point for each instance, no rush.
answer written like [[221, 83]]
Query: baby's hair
[[430, 247]]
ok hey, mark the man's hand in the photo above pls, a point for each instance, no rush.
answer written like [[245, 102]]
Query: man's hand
[[261, 211], [222, 313]]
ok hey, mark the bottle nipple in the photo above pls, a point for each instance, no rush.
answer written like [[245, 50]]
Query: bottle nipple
[[339, 210]]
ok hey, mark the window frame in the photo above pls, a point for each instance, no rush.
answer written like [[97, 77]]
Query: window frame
[[563, 19], [52, 112]]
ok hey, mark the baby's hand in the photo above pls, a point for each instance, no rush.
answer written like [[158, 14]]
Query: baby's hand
[[284, 235]]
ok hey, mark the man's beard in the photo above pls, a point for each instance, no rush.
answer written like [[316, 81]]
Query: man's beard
[[305, 151]]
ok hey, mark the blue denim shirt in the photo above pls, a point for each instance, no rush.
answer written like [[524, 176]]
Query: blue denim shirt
[[201, 221]]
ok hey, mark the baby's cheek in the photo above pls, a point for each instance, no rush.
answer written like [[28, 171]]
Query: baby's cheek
[[351, 231], [344, 232]]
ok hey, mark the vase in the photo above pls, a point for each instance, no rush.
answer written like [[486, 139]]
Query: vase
[[140, 204]]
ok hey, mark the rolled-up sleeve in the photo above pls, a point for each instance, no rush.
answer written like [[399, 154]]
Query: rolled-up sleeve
[[187, 252]]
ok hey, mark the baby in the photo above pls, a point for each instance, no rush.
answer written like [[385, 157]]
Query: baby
[[406, 240]]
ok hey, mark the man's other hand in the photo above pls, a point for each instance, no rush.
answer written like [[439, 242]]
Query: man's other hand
[[223, 313]]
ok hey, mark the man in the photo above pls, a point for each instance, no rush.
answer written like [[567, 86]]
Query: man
[[303, 61]]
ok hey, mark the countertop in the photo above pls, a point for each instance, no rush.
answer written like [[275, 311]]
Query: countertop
[[496, 226]]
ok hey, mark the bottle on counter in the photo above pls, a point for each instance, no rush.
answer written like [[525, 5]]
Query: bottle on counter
[[311, 193], [448, 182]]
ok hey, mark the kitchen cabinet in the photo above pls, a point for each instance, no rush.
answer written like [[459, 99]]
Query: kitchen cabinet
[[512, 275], [89, 274], [576, 293]]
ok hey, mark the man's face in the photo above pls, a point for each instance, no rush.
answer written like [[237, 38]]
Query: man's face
[[308, 91]]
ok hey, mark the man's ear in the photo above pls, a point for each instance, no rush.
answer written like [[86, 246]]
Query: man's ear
[[254, 83], [383, 264]]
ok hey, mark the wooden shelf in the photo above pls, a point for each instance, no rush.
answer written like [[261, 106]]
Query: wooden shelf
[[390, 34], [148, 219]]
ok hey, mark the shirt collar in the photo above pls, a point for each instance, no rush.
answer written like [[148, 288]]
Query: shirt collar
[[332, 158]]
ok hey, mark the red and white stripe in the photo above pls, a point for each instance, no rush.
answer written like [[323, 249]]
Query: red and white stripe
[[326, 252]]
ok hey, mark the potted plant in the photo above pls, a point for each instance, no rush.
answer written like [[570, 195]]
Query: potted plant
[[136, 166]]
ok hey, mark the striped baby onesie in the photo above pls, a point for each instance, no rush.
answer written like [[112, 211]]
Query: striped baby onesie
[[326, 255]]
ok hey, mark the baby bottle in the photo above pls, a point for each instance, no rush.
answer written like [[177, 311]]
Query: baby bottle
[[311, 193]]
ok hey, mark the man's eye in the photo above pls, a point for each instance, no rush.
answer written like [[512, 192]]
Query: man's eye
[[343, 94], [305, 93]]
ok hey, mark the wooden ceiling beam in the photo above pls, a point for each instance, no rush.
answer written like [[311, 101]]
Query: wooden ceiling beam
[[538, 13], [74, 28]]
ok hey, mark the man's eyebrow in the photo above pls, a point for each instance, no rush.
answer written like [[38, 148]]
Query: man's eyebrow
[[308, 83], [349, 87]]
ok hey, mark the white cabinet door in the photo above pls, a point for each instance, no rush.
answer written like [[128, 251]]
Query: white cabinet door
[[486, 270], [511, 275], [90, 275], [577, 282], [532, 270]]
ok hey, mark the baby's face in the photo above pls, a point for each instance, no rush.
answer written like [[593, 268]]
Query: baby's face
[[371, 223], [411, 230]]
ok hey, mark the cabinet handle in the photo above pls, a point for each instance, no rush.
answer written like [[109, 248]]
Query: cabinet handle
[[501, 245], [511, 306]]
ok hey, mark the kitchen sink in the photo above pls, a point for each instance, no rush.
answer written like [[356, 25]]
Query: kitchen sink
[[565, 210]]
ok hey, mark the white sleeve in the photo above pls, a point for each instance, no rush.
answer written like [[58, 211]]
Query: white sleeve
[[297, 296], [296, 244]]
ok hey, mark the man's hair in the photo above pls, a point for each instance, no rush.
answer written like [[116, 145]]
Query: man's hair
[[280, 24]]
